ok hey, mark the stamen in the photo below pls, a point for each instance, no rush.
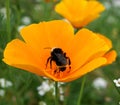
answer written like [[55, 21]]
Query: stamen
[[61, 74], [55, 71]]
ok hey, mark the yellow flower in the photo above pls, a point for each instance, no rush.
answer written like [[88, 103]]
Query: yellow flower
[[79, 12], [86, 51]]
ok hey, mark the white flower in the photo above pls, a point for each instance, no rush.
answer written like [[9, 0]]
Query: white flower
[[107, 5], [62, 97], [116, 3], [61, 94], [3, 11], [20, 27], [38, 7], [46, 86], [5, 83], [43, 88], [26, 20], [111, 19], [117, 82], [61, 90], [42, 103], [2, 92], [99, 83]]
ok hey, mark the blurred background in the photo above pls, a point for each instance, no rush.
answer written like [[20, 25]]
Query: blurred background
[[19, 87]]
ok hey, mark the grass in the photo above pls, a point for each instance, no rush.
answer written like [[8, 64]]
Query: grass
[[24, 85]]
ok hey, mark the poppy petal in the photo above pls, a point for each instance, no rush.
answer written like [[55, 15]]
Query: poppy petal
[[34, 35], [85, 21], [82, 11], [64, 8], [43, 35], [18, 54], [85, 45], [89, 16], [110, 56], [95, 63], [61, 35], [108, 41]]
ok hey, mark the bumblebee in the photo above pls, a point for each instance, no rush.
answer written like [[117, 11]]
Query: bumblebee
[[60, 58]]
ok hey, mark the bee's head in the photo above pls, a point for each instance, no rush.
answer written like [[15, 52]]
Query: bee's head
[[57, 51]]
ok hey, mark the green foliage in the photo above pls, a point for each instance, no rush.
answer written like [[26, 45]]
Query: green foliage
[[24, 85]]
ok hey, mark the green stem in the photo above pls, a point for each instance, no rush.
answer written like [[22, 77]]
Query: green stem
[[8, 19], [56, 93], [81, 91], [18, 14]]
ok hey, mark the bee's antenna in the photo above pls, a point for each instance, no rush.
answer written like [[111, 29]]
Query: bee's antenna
[[47, 48], [50, 48]]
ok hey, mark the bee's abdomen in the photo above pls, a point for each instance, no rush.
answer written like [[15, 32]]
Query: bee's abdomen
[[61, 62], [62, 69]]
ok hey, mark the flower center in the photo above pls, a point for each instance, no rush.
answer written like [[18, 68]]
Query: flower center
[[59, 63]]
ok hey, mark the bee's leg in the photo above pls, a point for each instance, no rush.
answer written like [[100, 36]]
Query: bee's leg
[[51, 63], [69, 62], [65, 55], [57, 70], [49, 59]]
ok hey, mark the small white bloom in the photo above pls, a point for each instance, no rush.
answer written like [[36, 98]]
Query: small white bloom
[[20, 27], [2, 92], [62, 97], [116, 3], [43, 88], [38, 7], [117, 82], [100, 83], [5, 83], [61, 90], [107, 5], [61, 83], [2, 82], [52, 88], [61, 94], [8, 84], [3, 11], [41, 93], [42, 103], [46, 86], [111, 19], [26, 20]]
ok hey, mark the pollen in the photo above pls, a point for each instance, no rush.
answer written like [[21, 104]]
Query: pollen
[[55, 70]]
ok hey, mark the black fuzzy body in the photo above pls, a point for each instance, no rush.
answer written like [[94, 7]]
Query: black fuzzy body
[[59, 57]]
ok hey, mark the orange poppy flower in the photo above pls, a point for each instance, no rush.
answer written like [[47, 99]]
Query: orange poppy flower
[[79, 12], [51, 49]]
